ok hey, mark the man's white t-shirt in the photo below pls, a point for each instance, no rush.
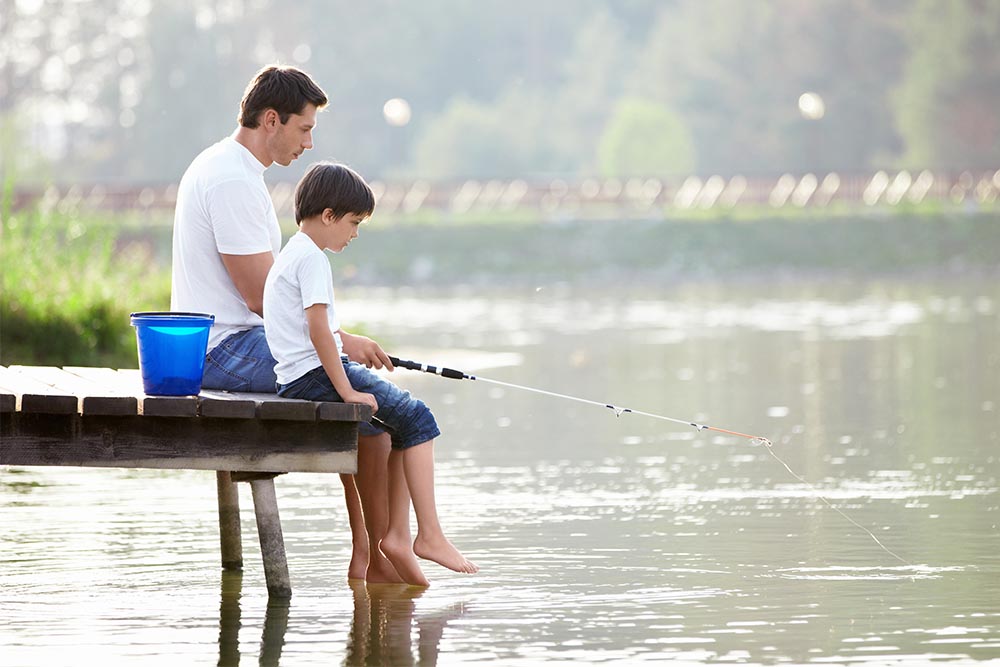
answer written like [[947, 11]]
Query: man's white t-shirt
[[223, 206], [301, 277]]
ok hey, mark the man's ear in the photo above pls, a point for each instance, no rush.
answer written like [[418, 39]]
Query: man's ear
[[270, 118]]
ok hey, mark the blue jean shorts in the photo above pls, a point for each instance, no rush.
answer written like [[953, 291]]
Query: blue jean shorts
[[408, 421], [243, 362]]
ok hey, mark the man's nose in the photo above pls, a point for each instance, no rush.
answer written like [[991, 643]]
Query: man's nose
[[308, 143]]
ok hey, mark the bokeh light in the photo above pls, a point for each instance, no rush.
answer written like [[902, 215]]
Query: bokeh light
[[397, 112], [811, 106]]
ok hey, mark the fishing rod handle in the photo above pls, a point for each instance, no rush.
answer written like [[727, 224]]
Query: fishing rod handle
[[415, 366]]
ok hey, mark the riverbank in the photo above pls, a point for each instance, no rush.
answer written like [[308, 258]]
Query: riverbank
[[591, 252], [71, 279]]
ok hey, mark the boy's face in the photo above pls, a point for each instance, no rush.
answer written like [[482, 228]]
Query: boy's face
[[339, 232]]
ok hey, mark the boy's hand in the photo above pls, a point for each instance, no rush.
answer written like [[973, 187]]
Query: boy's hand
[[361, 397], [363, 350]]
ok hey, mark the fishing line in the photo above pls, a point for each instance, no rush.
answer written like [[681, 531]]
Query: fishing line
[[619, 411]]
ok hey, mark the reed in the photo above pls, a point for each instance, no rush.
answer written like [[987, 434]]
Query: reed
[[69, 285]]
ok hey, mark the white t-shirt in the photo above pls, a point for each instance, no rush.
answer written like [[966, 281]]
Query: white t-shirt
[[301, 277], [223, 206]]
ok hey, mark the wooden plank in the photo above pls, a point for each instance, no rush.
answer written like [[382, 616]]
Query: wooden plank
[[272, 406], [288, 410], [225, 405], [8, 400], [36, 397], [129, 381], [94, 397], [344, 412], [199, 443]]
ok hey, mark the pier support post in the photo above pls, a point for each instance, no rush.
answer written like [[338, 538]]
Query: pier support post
[[230, 538], [272, 544]]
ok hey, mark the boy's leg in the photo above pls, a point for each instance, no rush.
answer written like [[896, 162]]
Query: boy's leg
[[413, 431], [431, 543], [397, 544], [373, 486]]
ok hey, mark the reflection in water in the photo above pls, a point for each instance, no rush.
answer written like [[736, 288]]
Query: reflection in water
[[275, 624], [382, 625]]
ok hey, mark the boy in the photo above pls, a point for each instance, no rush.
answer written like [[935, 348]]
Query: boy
[[303, 333]]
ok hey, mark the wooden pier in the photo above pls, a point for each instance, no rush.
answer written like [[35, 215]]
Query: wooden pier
[[100, 417]]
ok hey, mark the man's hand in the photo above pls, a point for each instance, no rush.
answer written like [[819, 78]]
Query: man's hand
[[364, 350]]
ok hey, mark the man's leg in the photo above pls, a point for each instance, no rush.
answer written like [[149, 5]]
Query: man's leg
[[359, 538], [372, 485]]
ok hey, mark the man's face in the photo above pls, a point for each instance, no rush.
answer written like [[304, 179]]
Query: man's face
[[293, 138]]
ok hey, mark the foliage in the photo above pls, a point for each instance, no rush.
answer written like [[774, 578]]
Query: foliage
[[68, 288], [132, 91], [645, 138], [947, 99]]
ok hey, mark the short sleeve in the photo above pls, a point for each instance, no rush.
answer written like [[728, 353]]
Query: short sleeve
[[315, 280], [240, 215]]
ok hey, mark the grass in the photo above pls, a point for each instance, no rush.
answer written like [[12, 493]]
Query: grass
[[68, 288]]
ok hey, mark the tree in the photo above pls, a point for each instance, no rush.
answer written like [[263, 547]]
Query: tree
[[644, 138], [946, 102], [735, 71]]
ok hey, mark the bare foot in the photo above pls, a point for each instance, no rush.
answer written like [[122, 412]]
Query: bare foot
[[443, 552], [382, 571], [359, 563], [405, 561]]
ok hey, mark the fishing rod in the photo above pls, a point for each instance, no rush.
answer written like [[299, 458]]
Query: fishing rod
[[618, 410]]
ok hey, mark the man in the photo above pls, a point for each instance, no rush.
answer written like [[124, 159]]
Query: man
[[226, 237]]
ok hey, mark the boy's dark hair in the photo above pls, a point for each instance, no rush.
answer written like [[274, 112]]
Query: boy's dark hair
[[287, 90], [327, 185]]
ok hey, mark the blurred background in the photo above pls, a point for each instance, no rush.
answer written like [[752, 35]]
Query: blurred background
[[130, 91], [480, 124]]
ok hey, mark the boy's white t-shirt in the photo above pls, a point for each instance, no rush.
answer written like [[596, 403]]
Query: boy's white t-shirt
[[301, 277], [223, 206]]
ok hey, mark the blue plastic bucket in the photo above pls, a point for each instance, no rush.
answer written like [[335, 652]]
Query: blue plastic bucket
[[172, 350]]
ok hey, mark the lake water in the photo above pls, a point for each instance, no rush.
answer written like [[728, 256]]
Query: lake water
[[603, 539]]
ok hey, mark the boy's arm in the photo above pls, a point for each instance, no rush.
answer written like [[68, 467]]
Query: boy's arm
[[326, 347], [364, 350]]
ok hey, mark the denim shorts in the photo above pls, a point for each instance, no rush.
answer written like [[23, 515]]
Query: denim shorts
[[408, 421], [243, 362]]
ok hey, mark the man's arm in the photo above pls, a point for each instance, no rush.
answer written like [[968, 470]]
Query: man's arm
[[248, 273]]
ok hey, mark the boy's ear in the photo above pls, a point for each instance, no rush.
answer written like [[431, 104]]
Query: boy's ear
[[328, 217]]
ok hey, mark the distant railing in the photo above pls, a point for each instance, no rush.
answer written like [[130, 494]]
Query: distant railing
[[584, 198]]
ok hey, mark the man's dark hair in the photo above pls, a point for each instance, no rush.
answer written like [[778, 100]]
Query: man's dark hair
[[287, 90], [327, 185]]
